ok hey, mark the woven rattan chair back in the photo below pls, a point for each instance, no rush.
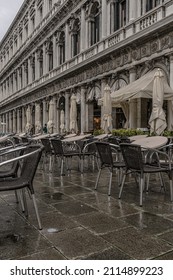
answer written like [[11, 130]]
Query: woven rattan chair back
[[132, 155], [57, 147], [30, 164], [47, 146], [105, 153]]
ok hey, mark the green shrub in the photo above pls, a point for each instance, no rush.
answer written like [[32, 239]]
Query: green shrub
[[167, 133], [98, 132], [127, 132]]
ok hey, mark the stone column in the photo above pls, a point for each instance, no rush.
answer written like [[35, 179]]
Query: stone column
[[58, 120], [89, 32], [170, 103], [10, 122], [3, 125], [45, 113], [67, 43], [29, 71], [103, 85], [143, 7], [37, 70], [45, 7], [67, 111], [14, 121], [55, 113], [18, 121], [133, 103], [83, 110], [7, 122], [83, 30], [23, 119], [44, 60], [138, 4], [72, 44], [111, 8], [104, 19], [54, 52], [132, 10]]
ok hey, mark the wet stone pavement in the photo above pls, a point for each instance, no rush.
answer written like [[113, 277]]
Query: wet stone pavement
[[80, 223]]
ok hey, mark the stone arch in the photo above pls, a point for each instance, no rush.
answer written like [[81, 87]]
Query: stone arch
[[94, 93], [93, 6], [118, 83]]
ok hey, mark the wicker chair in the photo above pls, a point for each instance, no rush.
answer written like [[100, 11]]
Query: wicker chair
[[105, 152], [65, 151], [89, 151], [48, 152], [12, 170], [30, 160], [135, 163]]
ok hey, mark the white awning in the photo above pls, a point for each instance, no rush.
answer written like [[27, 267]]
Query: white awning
[[141, 88]]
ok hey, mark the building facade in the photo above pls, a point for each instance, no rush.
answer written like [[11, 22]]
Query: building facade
[[56, 48]]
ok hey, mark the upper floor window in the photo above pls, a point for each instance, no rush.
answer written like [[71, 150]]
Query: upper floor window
[[41, 13], [26, 31], [95, 23], [62, 48], [20, 38], [76, 38], [49, 50], [50, 4], [123, 13], [33, 23], [40, 61], [150, 4]]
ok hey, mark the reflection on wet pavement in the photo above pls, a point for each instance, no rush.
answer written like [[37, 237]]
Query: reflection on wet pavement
[[80, 223]]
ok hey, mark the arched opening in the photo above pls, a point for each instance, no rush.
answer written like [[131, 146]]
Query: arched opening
[[62, 48]]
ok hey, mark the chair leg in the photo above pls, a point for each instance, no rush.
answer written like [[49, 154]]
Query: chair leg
[[110, 183], [21, 201], [141, 189], [82, 164], [62, 166], [171, 186], [122, 185], [36, 211], [148, 179], [16, 195], [98, 177], [162, 181], [50, 163], [24, 203]]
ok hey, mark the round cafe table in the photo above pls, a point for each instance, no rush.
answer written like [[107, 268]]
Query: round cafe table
[[152, 142], [75, 138], [137, 137]]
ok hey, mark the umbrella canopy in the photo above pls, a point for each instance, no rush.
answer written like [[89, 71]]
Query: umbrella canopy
[[107, 110], [157, 120], [141, 88], [62, 121], [37, 118], [73, 114], [28, 120], [50, 124]]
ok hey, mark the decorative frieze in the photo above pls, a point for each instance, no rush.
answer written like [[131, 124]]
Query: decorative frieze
[[155, 46]]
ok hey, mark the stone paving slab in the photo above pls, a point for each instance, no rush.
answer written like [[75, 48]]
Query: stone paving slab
[[81, 223]]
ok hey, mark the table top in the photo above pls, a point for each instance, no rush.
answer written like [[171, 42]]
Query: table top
[[40, 137], [70, 135], [101, 136], [152, 142], [76, 138], [136, 137]]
